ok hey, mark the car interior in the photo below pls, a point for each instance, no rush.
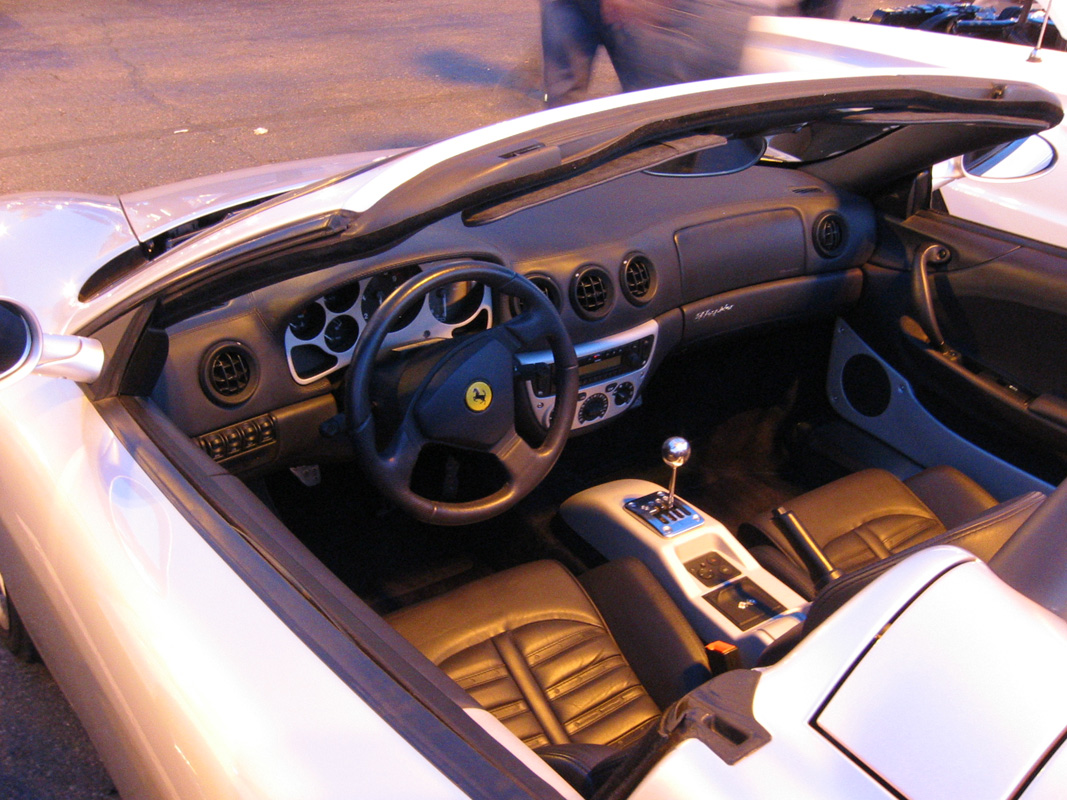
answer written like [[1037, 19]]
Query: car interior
[[728, 383]]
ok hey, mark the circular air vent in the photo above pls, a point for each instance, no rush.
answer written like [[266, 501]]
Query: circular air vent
[[638, 279], [829, 234], [548, 289], [228, 374], [592, 292]]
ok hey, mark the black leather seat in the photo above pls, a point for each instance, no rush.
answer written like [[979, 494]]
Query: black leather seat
[[531, 647], [871, 515]]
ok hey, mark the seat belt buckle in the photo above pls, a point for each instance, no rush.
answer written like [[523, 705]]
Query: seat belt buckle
[[723, 657]]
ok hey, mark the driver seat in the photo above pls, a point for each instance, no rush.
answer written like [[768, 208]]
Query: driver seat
[[531, 646]]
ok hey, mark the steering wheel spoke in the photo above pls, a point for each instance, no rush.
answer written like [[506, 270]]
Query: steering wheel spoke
[[517, 457], [398, 460], [524, 331]]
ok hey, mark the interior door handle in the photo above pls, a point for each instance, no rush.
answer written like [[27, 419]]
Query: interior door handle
[[922, 296]]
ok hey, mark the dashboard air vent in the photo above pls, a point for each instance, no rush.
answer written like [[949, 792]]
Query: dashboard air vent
[[593, 292], [829, 233], [548, 289], [228, 374], [638, 279]]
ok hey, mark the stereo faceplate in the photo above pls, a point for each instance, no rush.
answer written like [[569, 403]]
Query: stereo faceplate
[[611, 373]]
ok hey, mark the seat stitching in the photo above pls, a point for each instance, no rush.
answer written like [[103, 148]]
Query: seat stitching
[[510, 710], [622, 738], [483, 676], [916, 529], [565, 643], [611, 704], [585, 676]]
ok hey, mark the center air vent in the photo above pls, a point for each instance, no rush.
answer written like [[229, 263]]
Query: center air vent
[[548, 289], [638, 279], [228, 374], [592, 292], [829, 234]]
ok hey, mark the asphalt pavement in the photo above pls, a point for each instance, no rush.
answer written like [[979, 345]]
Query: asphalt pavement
[[108, 96]]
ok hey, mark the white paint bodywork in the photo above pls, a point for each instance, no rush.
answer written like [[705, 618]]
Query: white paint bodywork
[[927, 684], [159, 209], [189, 685], [1031, 206]]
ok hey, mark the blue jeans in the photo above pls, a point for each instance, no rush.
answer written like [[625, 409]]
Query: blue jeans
[[681, 40], [571, 33]]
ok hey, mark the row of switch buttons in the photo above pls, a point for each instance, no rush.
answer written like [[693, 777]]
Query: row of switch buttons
[[240, 438]]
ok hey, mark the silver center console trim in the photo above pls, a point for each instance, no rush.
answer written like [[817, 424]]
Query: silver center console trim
[[602, 399], [599, 515]]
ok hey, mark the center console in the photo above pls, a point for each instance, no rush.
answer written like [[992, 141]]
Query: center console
[[725, 594], [611, 372]]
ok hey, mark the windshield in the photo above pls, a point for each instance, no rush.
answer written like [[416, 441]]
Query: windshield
[[817, 141]]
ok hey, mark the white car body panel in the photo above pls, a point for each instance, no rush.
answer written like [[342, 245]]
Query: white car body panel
[[1031, 206], [78, 234], [241, 706], [159, 209], [925, 685]]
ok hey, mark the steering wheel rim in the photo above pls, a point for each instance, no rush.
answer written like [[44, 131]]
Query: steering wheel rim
[[525, 465]]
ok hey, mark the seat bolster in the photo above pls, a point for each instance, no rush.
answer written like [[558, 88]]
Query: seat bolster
[[446, 625], [950, 494], [785, 568], [580, 764], [655, 638], [990, 531]]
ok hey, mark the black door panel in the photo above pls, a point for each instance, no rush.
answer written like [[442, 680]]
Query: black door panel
[[1001, 304]]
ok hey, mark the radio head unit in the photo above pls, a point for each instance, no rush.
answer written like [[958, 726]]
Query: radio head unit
[[611, 372]]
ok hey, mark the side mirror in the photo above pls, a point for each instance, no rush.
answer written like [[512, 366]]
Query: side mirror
[[26, 349]]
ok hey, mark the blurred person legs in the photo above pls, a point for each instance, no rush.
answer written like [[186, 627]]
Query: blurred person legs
[[571, 33], [650, 42], [570, 37]]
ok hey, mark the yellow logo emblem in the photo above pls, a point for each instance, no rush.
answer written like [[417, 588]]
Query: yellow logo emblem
[[479, 396]]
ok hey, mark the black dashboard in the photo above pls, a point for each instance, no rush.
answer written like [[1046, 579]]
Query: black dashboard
[[636, 266]]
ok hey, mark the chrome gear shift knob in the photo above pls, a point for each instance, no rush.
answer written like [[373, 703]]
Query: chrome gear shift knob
[[675, 452]]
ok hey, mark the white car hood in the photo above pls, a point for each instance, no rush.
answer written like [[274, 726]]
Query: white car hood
[[162, 208], [819, 45]]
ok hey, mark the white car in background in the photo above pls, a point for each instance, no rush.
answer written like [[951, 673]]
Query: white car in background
[[1021, 187]]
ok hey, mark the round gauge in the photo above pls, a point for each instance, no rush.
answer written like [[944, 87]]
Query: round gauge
[[456, 302], [380, 287], [341, 333], [593, 408], [308, 323], [342, 299]]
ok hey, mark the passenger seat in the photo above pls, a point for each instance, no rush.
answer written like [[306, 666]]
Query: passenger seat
[[871, 515]]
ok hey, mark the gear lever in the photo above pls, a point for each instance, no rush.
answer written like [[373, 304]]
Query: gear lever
[[675, 452], [663, 512]]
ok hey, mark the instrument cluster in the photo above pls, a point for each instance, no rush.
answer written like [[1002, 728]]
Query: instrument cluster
[[321, 337]]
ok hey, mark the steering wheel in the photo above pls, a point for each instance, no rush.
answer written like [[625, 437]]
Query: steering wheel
[[468, 398]]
